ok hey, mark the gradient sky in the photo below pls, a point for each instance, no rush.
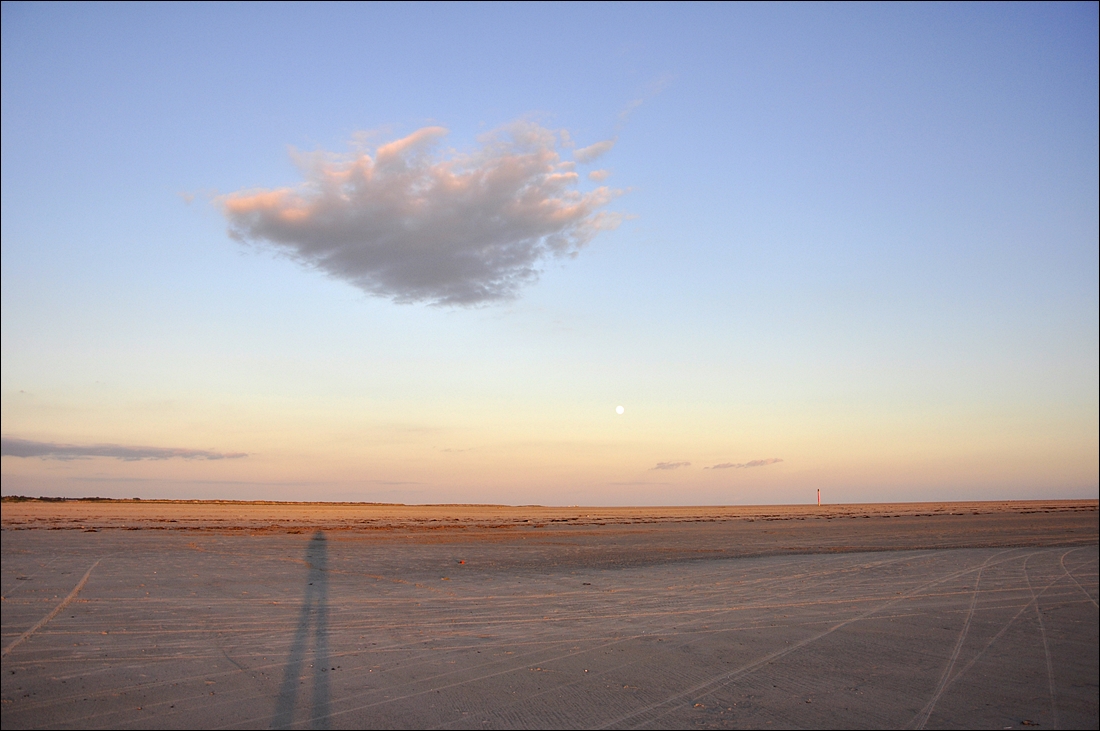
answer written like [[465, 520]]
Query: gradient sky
[[420, 253]]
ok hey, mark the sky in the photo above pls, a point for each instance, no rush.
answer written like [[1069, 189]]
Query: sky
[[424, 253]]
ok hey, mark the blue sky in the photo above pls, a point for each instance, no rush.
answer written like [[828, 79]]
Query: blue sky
[[860, 240]]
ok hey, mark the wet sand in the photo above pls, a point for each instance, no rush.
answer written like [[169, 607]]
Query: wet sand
[[175, 614]]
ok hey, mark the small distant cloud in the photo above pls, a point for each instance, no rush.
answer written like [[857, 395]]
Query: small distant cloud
[[590, 153], [670, 465], [599, 175], [414, 224], [12, 447], [743, 465]]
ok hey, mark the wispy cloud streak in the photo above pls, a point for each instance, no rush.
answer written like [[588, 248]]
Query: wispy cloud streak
[[415, 225], [743, 465], [670, 465], [590, 153], [12, 447]]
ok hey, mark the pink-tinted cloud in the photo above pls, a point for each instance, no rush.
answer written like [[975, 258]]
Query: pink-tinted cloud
[[670, 465], [414, 225], [743, 465], [599, 175], [590, 153]]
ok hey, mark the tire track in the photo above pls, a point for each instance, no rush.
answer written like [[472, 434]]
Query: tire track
[[1046, 647], [537, 652], [42, 622], [941, 686], [534, 653], [1007, 625], [669, 629], [712, 684], [1062, 561]]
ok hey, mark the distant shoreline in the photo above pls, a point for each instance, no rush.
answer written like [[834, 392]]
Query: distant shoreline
[[727, 506]]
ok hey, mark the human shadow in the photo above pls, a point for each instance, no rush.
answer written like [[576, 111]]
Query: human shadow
[[312, 623]]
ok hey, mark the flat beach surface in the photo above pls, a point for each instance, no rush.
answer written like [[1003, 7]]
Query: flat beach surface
[[268, 615]]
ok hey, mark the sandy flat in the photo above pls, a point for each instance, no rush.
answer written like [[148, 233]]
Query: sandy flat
[[173, 614]]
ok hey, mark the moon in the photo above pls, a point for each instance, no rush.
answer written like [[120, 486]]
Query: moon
[[619, 409]]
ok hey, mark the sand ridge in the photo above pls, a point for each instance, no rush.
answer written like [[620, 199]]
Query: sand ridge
[[179, 514], [625, 535]]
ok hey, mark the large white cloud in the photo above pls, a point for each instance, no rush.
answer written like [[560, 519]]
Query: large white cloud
[[416, 225]]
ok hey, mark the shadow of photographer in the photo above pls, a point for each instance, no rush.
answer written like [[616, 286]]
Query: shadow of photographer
[[312, 625]]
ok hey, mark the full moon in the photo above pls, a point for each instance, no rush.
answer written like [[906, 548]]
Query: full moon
[[619, 409]]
